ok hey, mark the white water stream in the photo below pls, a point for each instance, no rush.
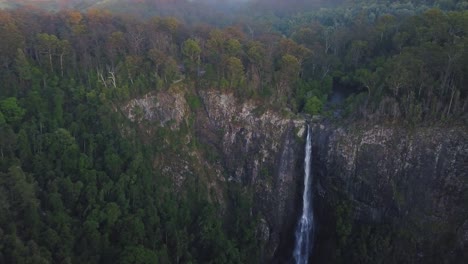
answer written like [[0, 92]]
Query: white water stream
[[305, 228]]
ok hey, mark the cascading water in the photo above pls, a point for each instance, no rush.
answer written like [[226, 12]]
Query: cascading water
[[305, 227]]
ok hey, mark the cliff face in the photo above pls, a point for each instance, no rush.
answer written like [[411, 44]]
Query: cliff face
[[382, 194], [405, 190], [243, 143], [261, 150]]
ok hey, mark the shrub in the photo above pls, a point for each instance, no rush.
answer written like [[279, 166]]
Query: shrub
[[313, 105]]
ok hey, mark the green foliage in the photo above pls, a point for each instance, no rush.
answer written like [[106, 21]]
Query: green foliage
[[87, 172], [22, 66], [11, 111], [313, 106], [138, 255], [80, 184], [191, 51], [193, 101], [343, 222], [2, 119], [312, 95], [235, 70]]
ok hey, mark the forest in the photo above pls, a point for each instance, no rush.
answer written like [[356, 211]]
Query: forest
[[76, 187]]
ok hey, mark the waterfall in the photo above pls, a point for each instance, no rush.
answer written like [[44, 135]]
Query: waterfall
[[305, 227]]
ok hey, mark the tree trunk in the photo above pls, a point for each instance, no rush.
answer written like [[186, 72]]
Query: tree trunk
[[451, 99], [61, 64], [50, 60]]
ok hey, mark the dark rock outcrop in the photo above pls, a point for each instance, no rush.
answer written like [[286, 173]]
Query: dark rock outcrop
[[262, 150], [406, 188], [383, 194], [259, 148]]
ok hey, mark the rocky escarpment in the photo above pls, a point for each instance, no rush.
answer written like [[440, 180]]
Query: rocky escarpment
[[163, 108], [392, 195], [383, 194], [241, 142], [262, 150]]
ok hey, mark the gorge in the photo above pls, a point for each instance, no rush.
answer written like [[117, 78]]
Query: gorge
[[281, 133], [381, 188]]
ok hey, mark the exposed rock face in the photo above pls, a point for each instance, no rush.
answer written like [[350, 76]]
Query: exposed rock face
[[414, 181], [262, 151], [409, 187], [165, 108]]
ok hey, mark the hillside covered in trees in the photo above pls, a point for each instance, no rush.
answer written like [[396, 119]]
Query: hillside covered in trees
[[77, 180]]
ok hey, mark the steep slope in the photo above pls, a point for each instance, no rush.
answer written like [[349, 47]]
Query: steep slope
[[397, 195], [236, 142], [384, 193]]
